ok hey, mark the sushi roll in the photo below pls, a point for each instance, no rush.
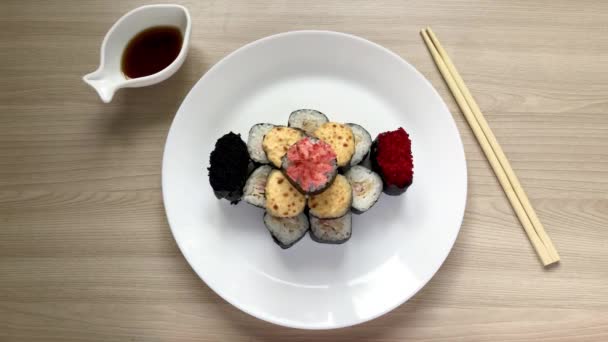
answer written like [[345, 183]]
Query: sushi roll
[[254, 192], [363, 143], [277, 141], [367, 187], [282, 198], [391, 157], [340, 138], [334, 231], [229, 166], [334, 202], [307, 120], [286, 231], [254, 142], [310, 165]]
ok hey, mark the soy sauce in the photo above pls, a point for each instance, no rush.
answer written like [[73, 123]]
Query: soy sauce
[[151, 50]]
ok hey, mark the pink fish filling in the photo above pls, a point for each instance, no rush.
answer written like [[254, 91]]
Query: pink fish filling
[[311, 163]]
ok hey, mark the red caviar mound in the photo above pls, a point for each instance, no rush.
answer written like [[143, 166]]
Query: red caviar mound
[[310, 164], [392, 159]]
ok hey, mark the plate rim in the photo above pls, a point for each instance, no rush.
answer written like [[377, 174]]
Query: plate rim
[[212, 70]]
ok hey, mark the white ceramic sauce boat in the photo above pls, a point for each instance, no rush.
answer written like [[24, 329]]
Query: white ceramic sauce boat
[[108, 78]]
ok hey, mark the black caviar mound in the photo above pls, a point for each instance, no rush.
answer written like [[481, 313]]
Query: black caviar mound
[[229, 167]]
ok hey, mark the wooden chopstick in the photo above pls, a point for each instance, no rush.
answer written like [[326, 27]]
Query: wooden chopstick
[[504, 162], [500, 164]]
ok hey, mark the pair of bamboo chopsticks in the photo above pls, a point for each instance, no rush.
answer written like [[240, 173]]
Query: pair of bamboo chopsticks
[[499, 162]]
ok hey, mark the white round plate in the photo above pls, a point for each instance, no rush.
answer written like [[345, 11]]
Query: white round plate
[[395, 248]]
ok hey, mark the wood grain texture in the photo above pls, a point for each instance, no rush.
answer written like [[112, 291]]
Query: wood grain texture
[[85, 250]]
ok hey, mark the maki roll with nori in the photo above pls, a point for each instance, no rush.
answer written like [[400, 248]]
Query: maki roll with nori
[[278, 140], [254, 142], [367, 187], [334, 202], [334, 231], [363, 143], [391, 157], [282, 198], [229, 167], [286, 231], [307, 120], [340, 138], [310, 165], [255, 188]]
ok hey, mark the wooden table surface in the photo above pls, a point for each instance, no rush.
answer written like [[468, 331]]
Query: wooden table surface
[[85, 250]]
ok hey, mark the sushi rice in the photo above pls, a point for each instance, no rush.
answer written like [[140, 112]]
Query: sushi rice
[[307, 120], [286, 231], [254, 142], [363, 143], [254, 191], [333, 231], [366, 185]]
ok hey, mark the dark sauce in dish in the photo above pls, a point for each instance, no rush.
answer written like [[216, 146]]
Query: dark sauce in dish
[[151, 50]]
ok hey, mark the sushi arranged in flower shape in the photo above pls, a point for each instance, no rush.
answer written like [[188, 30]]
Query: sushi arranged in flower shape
[[310, 175]]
